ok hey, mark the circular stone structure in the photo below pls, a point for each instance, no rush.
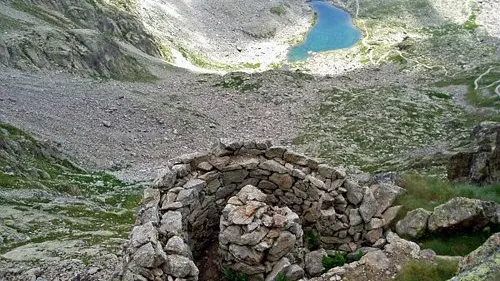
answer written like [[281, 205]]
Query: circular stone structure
[[253, 202]]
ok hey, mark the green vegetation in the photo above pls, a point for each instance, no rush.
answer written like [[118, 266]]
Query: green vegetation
[[375, 135], [276, 65], [429, 192], [34, 178], [281, 277], [229, 275], [356, 257], [416, 270], [279, 10], [397, 59], [199, 60], [239, 82], [312, 240], [252, 65], [458, 243], [331, 261], [471, 24], [7, 23], [124, 5], [484, 95], [166, 53], [438, 94]]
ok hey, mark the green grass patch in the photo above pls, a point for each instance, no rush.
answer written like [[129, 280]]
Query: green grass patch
[[69, 203], [397, 59], [7, 23], [199, 60], [166, 53], [438, 95], [429, 192], [459, 243], [416, 270], [252, 65], [471, 24]]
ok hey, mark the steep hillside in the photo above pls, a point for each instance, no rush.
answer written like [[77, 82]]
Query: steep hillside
[[228, 34], [56, 215], [96, 38]]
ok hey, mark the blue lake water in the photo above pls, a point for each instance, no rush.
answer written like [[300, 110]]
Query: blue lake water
[[333, 30]]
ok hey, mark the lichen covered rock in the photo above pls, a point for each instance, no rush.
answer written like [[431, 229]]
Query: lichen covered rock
[[483, 264]]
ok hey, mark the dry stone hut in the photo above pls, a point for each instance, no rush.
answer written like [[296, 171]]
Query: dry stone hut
[[254, 202]]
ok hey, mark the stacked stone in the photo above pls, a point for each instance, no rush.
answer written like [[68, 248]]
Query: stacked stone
[[260, 240], [187, 198]]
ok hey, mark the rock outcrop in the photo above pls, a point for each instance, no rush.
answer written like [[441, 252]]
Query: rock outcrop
[[457, 213], [261, 197], [483, 263], [93, 38], [481, 164]]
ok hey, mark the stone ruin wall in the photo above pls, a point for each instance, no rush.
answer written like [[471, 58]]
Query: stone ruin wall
[[198, 199]]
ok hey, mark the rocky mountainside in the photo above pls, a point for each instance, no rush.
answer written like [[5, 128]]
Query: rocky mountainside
[[92, 78], [56, 219], [228, 33], [96, 38]]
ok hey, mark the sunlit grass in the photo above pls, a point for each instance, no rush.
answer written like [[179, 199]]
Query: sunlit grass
[[428, 192], [425, 271]]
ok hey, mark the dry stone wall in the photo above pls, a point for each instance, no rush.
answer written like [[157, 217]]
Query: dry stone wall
[[198, 197], [260, 240]]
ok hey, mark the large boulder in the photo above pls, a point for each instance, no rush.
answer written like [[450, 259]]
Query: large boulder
[[457, 213], [414, 223], [483, 263]]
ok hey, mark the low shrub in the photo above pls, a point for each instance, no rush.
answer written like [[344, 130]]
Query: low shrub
[[229, 275], [281, 277], [312, 240], [332, 261]]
